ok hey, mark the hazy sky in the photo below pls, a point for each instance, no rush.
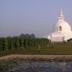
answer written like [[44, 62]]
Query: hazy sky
[[32, 16]]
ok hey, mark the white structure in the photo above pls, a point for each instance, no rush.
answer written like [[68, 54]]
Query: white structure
[[62, 30]]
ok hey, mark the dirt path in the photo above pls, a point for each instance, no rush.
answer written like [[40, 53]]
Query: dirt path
[[39, 57]]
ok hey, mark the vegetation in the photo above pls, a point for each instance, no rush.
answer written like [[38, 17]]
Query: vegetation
[[29, 44]]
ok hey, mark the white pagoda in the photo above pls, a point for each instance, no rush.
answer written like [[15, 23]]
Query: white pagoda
[[62, 30]]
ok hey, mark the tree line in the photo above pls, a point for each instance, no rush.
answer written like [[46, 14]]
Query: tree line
[[30, 44], [22, 42]]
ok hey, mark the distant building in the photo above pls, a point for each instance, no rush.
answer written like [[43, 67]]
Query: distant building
[[62, 30]]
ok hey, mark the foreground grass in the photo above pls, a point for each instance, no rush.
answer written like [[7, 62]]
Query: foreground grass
[[42, 51]]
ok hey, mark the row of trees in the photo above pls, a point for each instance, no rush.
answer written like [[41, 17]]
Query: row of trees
[[32, 45], [13, 43]]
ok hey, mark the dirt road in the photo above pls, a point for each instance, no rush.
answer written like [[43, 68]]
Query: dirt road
[[39, 57]]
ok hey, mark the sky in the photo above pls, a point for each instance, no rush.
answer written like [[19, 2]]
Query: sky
[[32, 16]]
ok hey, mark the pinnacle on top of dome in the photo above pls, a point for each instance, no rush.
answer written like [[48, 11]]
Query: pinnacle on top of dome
[[61, 17], [61, 13]]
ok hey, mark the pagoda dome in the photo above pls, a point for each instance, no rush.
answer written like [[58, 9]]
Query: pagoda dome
[[62, 26], [62, 30]]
